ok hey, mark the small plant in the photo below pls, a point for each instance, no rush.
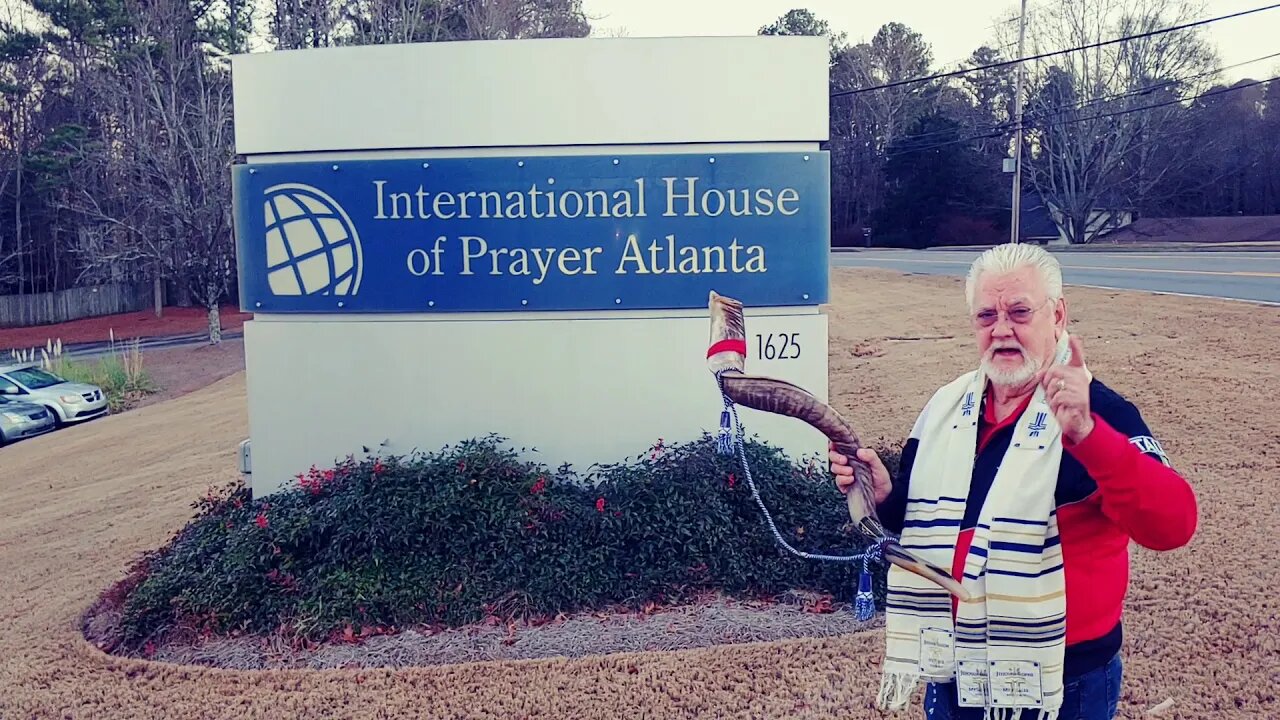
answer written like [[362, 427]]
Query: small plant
[[120, 372], [471, 534]]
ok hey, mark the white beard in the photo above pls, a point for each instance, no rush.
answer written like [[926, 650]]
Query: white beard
[[1020, 376]]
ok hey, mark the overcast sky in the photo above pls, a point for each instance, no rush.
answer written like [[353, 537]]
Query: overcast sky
[[953, 28]]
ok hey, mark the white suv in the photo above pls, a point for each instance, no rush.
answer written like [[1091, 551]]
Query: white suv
[[69, 402]]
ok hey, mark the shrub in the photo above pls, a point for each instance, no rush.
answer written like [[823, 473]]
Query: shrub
[[120, 372], [470, 533]]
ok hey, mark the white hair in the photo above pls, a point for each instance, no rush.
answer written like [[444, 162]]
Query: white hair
[[1011, 256]]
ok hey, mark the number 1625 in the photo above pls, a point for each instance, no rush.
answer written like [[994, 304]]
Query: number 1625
[[778, 346]]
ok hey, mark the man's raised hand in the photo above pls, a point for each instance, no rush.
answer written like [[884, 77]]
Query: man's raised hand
[[1066, 388], [881, 485]]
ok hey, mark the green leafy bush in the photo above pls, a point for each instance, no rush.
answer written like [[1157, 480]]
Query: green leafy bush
[[471, 533]]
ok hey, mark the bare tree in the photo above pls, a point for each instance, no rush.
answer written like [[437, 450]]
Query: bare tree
[[404, 21], [514, 19], [864, 124], [378, 22], [23, 60], [296, 24], [1091, 142], [159, 200]]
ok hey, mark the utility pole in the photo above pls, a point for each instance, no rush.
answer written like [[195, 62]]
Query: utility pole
[[1015, 224]]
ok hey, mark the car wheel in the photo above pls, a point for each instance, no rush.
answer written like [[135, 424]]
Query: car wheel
[[57, 419]]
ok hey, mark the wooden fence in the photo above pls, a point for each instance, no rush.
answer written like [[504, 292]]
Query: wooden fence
[[73, 304]]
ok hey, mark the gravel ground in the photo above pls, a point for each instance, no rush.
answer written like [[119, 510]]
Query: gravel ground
[[711, 623], [1202, 629]]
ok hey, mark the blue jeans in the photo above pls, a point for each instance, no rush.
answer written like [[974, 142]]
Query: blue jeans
[[1091, 696]]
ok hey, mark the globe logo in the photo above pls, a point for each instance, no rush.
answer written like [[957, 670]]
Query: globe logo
[[312, 245]]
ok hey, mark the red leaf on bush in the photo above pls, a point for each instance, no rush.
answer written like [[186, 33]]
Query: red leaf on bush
[[600, 505]]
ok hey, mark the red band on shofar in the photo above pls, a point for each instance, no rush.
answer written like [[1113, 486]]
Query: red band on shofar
[[738, 346]]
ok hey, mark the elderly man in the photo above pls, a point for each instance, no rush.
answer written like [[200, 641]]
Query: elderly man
[[1027, 477]]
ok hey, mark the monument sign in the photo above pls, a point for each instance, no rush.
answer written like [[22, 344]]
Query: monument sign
[[441, 241]]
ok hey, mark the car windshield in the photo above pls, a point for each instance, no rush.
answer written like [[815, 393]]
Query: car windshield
[[35, 378]]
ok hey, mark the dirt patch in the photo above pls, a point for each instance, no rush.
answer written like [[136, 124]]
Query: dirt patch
[[1201, 622], [144, 324], [178, 371]]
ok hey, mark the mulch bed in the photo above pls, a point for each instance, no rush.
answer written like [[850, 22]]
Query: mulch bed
[[144, 324]]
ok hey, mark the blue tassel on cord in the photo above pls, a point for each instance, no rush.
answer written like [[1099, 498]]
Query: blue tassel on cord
[[864, 603], [724, 439]]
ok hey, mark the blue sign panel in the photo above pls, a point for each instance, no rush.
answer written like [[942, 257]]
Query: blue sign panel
[[538, 233]]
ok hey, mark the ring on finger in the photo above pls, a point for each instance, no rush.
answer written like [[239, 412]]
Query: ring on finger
[[1062, 384]]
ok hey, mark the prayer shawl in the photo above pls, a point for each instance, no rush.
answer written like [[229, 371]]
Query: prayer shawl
[[1005, 648]]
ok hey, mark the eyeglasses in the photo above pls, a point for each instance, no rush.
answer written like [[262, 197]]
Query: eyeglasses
[[1018, 314]]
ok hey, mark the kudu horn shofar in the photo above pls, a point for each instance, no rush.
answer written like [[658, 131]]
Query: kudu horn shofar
[[726, 358]]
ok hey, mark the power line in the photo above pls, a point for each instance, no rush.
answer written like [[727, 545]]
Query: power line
[[1117, 96], [1173, 81], [997, 131], [1090, 46]]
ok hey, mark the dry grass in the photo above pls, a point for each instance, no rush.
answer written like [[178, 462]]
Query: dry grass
[[1202, 624]]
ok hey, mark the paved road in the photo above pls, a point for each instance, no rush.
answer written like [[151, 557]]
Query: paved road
[[95, 349], [1244, 275]]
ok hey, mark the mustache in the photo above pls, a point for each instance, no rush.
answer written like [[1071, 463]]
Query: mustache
[[1006, 345]]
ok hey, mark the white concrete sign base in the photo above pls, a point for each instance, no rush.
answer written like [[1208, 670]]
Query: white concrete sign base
[[581, 391]]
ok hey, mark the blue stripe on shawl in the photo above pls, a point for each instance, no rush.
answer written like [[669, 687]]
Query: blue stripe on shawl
[[1024, 547], [1016, 521], [1013, 573], [932, 523], [931, 609], [941, 498], [1025, 640]]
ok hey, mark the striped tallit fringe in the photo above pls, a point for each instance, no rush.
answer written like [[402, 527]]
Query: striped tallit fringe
[[1013, 714], [1015, 617]]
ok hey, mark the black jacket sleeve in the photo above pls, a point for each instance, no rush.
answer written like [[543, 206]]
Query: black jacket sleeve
[[893, 510]]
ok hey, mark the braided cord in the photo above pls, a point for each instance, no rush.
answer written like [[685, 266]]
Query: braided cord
[[873, 553]]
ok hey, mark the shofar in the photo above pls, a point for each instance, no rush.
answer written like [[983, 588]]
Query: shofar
[[726, 356]]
